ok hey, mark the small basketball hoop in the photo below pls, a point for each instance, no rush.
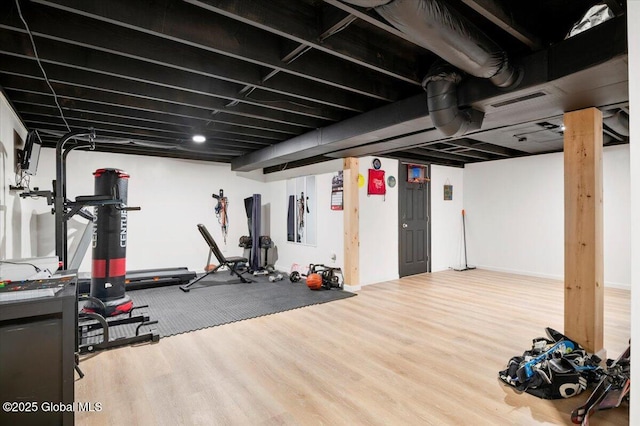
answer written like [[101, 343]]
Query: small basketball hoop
[[417, 173]]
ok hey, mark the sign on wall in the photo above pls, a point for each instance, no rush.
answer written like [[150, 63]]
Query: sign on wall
[[448, 192], [337, 191]]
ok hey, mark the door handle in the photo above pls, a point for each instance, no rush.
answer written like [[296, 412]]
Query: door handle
[[404, 225]]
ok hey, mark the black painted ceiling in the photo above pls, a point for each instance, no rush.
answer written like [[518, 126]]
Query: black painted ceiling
[[275, 83]]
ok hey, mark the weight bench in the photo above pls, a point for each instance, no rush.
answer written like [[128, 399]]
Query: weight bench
[[231, 262]]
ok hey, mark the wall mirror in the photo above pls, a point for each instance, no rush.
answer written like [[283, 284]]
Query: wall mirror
[[302, 210]]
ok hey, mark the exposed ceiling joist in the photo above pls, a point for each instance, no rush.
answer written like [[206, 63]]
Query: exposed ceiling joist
[[247, 139], [495, 13], [81, 58], [63, 75], [484, 147], [424, 152], [370, 18], [291, 20], [189, 25], [230, 147], [424, 159], [131, 44], [294, 82], [69, 96]]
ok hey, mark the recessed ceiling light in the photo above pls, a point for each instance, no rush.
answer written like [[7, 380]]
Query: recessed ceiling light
[[199, 138]]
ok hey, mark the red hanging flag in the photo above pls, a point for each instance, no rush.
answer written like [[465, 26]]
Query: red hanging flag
[[376, 184]]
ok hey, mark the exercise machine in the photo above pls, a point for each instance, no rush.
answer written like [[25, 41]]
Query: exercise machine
[[89, 322], [255, 243], [64, 209], [232, 263], [107, 294], [253, 206]]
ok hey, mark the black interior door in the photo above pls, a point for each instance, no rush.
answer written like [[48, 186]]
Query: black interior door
[[414, 227]]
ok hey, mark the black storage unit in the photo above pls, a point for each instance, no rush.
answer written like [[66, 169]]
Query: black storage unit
[[37, 356]]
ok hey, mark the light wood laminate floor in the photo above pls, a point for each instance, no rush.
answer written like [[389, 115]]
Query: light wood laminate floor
[[422, 350]]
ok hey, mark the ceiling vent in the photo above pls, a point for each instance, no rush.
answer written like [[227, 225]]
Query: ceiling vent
[[550, 126], [519, 99]]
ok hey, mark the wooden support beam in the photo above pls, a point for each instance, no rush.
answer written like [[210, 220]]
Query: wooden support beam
[[583, 246], [351, 222]]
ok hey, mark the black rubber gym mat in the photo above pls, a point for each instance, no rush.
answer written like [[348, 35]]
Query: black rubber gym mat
[[213, 302]]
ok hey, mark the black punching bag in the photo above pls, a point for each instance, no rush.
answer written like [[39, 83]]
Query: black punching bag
[[110, 245]]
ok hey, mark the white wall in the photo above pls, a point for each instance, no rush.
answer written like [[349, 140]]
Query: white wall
[[378, 227], [329, 222], [12, 133], [633, 15], [617, 216], [378, 223], [446, 218], [515, 215], [175, 195]]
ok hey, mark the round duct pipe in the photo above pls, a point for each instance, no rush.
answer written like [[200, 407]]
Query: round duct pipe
[[441, 29], [442, 100], [618, 122], [437, 27]]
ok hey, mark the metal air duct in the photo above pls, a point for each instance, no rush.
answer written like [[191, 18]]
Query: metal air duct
[[435, 26], [442, 100], [618, 121]]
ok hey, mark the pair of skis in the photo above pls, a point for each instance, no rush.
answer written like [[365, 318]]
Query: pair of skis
[[610, 391]]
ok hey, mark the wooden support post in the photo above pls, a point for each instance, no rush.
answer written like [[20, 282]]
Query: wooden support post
[[351, 222], [583, 252]]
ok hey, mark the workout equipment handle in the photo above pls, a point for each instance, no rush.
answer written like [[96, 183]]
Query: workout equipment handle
[[218, 197]]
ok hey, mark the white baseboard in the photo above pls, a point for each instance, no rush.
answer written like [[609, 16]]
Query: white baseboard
[[620, 286], [520, 272], [607, 284], [352, 288]]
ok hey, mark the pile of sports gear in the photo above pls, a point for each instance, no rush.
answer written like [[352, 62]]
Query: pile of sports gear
[[555, 367], [611, 390]]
